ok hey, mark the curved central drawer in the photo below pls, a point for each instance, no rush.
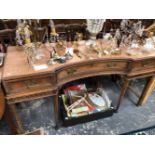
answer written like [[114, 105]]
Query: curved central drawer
[[89, 69]]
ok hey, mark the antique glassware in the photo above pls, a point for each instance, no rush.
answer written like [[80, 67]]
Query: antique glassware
[[54, 37], [134, 44], [39, 53], [34, 54], [131, 32], [149, 44], [19, 40], [23, 37], [117, 37], [94, 26], [30, 52], [27, 33], [138, 28], [23, 33]]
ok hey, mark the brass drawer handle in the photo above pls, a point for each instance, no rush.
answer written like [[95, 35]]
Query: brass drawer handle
[[30, 83], [111, 65], [71, 71]]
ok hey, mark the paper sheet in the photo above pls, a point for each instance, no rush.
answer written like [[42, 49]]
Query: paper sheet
[[40, 67]]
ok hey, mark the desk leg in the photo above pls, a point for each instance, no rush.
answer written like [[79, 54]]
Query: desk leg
[[56, 111], [18, 123], [123, 90], [150, 85], [2, 103], [9, 121]]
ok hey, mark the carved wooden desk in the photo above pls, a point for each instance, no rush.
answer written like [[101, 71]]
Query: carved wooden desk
[[22, 83]]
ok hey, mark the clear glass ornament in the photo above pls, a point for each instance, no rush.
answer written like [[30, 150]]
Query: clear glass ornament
[[94, 26], [149, 45]]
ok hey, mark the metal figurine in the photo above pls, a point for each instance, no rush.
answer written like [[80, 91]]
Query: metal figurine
[[79, 36], [28, 34], [53, 56], [54, 36], [23, 33]]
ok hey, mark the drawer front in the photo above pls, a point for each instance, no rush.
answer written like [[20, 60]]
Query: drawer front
[[142, 65], [86, 69], [14, 98], [28, 85]]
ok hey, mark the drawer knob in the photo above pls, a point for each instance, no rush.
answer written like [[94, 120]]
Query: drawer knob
[[71, 71]]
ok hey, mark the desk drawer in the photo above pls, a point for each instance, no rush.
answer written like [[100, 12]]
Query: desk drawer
[[90, 68], [142, 65], [29, 84]]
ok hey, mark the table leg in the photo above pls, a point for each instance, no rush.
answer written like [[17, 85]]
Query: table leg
[[150, 85], [9, 121], [2, 103], [56, 111], [16, 118], [123, 90]]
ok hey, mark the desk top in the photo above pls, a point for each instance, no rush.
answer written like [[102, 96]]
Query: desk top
[[16, 64]]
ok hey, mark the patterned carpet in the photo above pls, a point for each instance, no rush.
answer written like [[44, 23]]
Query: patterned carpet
[[145, 131]]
